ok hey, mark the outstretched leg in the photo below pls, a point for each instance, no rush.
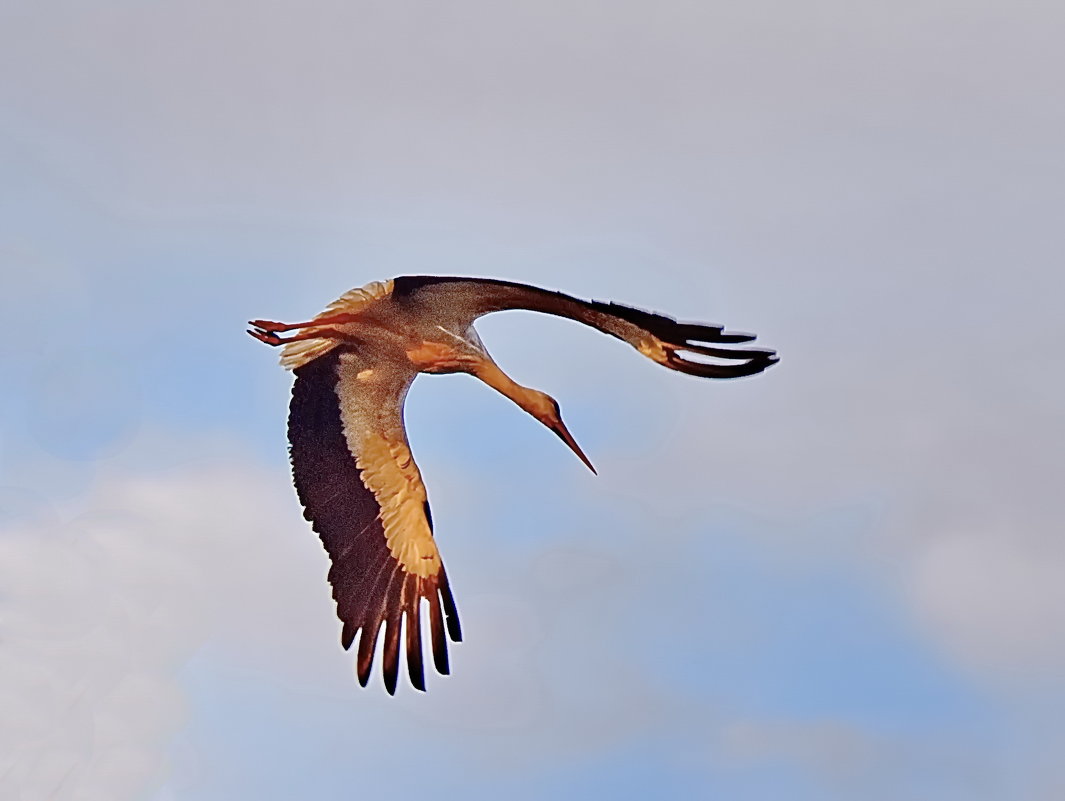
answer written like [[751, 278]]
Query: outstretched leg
[[271, 326], [274, 340]]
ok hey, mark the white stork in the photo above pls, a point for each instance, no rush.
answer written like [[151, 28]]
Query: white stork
[[352, 464]]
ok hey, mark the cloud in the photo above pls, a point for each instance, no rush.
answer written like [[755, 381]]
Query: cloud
[[101, 609]]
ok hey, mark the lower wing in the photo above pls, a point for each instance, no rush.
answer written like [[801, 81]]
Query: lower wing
[[363, 494]]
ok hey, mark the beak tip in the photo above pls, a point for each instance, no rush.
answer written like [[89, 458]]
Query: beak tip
[[563, 434]]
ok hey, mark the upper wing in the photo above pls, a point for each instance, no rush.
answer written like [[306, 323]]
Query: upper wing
[[364, 495], [461, 300]]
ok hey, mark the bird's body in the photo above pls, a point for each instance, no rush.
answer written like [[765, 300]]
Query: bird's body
[[351, 461]]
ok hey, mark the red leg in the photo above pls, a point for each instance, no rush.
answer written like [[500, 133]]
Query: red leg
[[273, 339], [269, 325]]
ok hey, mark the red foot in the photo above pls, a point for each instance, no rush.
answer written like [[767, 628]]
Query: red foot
[[269, 325], [268, 338]]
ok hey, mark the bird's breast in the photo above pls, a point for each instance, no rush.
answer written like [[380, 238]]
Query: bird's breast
[[441, 357]]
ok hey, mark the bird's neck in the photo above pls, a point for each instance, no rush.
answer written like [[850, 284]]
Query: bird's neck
[[489, 372]]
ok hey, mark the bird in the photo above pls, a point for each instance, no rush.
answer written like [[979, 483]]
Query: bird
[[352, 466]]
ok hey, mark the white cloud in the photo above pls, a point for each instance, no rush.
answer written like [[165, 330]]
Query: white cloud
[[98, 613]]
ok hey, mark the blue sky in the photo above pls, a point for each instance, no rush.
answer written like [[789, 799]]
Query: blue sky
[[837, 580]]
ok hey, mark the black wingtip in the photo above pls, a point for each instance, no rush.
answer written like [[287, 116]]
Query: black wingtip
[[413, 626], [755, 362], [666, 329], [734, 338], [390, 666], [437, 635], [347, 636], [451, 612], [391, 677], [367, 644], [728, 353]]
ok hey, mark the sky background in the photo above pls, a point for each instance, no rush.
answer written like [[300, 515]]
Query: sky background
[[840, 579]]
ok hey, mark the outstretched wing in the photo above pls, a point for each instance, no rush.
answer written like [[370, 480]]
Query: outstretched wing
[[462, 300], [364, 495]]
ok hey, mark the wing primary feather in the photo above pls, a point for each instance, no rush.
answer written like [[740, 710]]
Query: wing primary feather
[[698, 332], [704, 370], [391, 653], [393, 613], [439, 638], [725, 353], [451, 612], [374, 619], [414, 645], [725, 339], [347, 636], [367, 645]]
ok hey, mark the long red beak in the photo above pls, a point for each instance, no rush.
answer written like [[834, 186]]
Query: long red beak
[[563, 434]]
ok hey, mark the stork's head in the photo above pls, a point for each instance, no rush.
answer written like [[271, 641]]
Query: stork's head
[[545, 409]]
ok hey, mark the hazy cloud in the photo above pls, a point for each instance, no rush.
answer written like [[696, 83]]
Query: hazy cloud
[[101, 610]]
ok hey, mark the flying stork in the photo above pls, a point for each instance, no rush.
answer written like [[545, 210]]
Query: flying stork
[[352, 464]]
